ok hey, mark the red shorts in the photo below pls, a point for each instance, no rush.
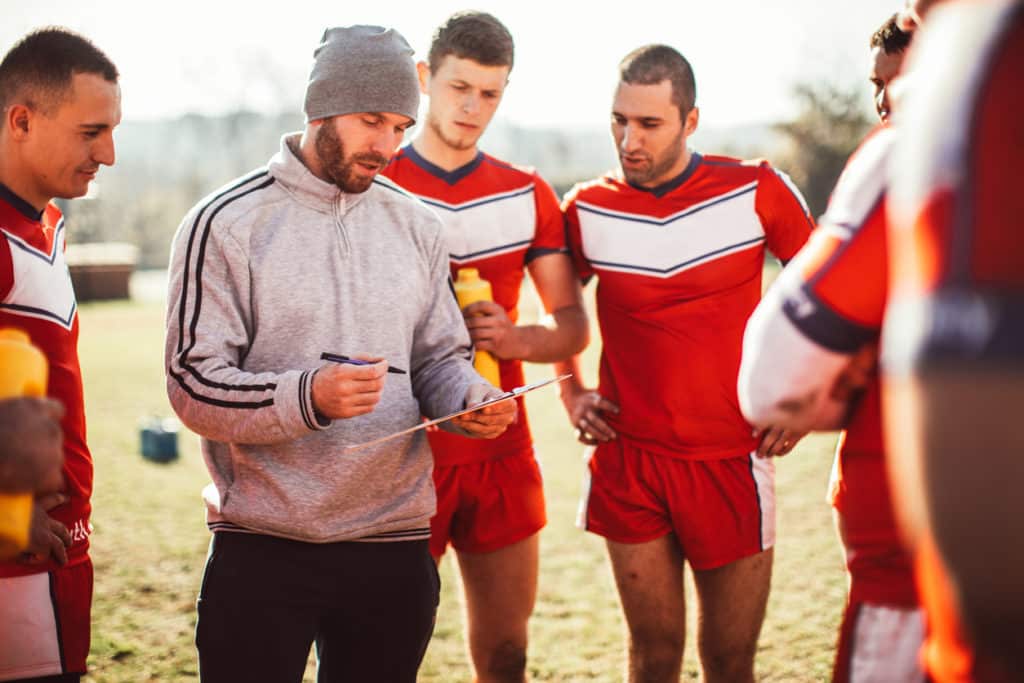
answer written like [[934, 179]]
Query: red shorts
[[720, 510], [486, 506], [44, 622], [881, 571], [879, 643]]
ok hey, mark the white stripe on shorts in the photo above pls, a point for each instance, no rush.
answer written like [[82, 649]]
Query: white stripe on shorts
[[581, 512], [886, 644], [763, 470], [29, 643]]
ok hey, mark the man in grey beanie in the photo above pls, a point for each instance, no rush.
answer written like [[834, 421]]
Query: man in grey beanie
[[315, 254]]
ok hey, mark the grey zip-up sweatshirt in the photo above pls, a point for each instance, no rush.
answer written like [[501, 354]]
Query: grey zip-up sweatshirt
[[266, 274]]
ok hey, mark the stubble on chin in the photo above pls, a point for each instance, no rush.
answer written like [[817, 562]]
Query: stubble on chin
[[454, 143]]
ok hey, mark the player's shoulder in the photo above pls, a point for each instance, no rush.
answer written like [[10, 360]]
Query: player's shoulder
[[604, 189], [509, 170], [864, 180], [874, 150], [732, 170], [238, 197]]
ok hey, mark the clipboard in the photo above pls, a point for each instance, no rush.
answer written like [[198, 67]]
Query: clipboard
[[518, 391]]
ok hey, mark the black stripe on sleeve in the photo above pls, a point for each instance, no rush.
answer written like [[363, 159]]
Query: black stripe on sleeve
[[202, 255], [823, 326], [957, 325], [218, 402], [537, 252], [267, 181], [303, 408], [188, 251]]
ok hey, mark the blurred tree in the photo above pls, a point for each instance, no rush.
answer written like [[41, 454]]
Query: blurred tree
[[832, 121]]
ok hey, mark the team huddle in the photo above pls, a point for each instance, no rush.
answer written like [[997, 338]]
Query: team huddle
[[896, 320]]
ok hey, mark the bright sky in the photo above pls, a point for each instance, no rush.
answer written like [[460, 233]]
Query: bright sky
[[179, 56]]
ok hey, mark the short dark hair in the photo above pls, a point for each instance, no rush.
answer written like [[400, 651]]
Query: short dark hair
[[890, 37], [652, 64], [40, 67], [472, 35]]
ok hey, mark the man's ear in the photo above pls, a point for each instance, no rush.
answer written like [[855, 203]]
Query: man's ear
[[18, 121], [423, 71], [692, 119]]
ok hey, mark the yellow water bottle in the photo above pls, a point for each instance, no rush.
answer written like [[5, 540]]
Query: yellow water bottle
[[23, 372], [470, 288]]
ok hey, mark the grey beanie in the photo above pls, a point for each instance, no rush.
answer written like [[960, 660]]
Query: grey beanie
[[362, 68]]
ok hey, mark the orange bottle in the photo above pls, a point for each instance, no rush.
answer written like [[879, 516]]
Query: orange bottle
[[470, 288], [23, 372]]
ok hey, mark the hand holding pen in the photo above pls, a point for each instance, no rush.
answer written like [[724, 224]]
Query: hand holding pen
[[348, 386], [338, 358]]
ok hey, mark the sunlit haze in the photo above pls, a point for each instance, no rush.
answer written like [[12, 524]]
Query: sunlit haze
[[212, 57]]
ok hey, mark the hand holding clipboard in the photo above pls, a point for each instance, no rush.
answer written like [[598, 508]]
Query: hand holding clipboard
[[518, 391]]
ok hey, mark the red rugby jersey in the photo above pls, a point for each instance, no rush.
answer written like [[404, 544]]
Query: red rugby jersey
[[36, 296], [832, 296], [679, 272], [497, 218], [957, 251]]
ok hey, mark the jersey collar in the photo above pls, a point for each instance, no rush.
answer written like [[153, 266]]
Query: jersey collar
[[23, 207], [450, 177], [669, 185]]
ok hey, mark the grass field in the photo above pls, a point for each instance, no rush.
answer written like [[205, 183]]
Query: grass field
[[150, 541]]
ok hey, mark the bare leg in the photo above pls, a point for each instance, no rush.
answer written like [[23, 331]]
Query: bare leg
[[501, 588], [650, 581], [732, 606]]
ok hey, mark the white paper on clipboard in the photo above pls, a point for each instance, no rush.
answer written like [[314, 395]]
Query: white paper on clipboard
[[518, 391]]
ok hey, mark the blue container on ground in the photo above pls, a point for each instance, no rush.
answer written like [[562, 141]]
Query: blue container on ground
[[159, 440]]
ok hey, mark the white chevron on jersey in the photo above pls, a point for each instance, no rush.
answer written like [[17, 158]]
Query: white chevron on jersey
[[42, 284], [642, 244], [487, 226]]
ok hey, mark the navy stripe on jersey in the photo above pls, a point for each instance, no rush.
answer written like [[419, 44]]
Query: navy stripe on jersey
[[450, 177], [460, 258], [669, 185], [739, 192], [37, 253], [49, 259], [43, 313], [823, 326], [786, 180], [265, 181], [476, 202], [20, 205], [684, 264]]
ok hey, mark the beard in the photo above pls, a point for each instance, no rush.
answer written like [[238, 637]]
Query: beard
[[461, 145], [341, 170], [657, 166]]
